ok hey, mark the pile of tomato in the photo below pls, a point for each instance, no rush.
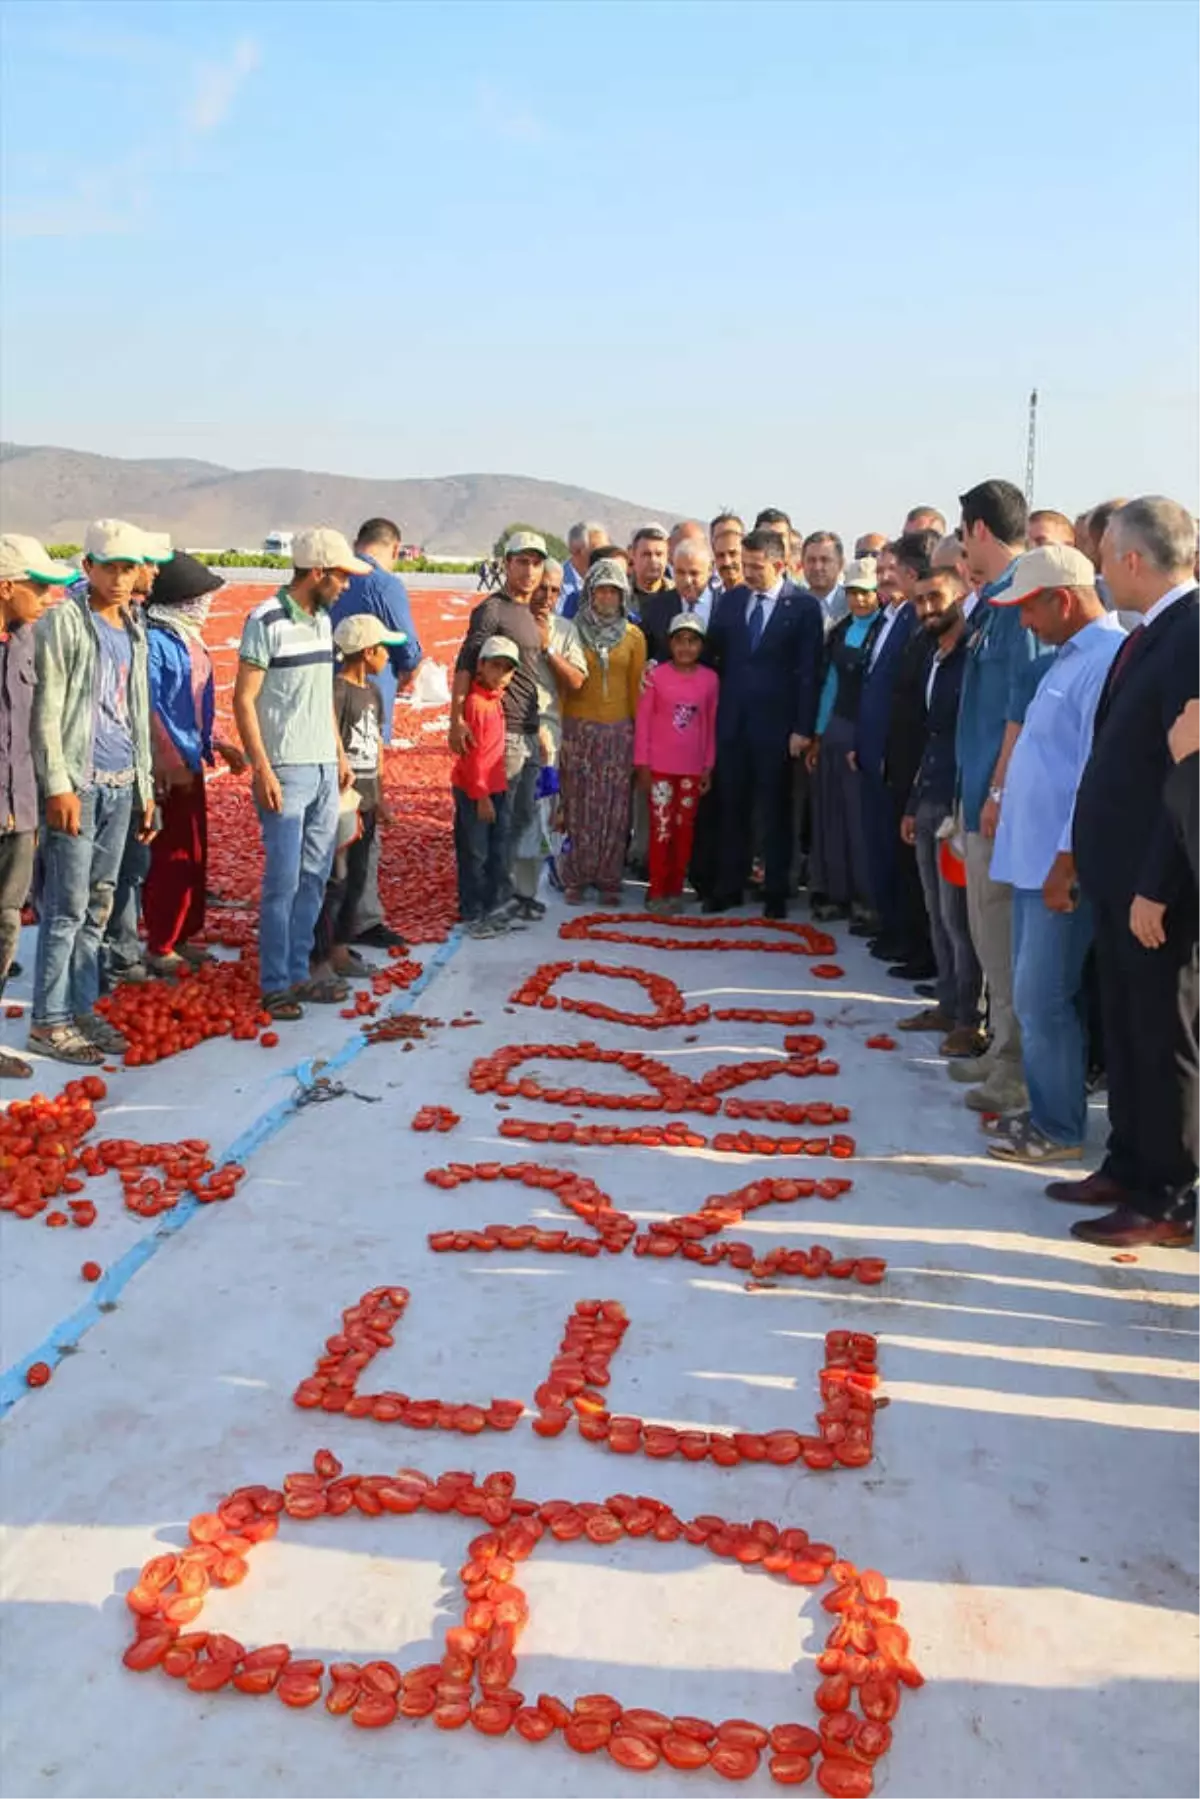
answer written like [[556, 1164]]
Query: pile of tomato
[[434, 1118], [670, 1090], [614, 1229], [866, 1665]]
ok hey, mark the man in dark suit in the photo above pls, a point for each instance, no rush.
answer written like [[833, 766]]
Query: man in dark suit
[[881, 820], [902, 758], [1133, 868], [764, 640]]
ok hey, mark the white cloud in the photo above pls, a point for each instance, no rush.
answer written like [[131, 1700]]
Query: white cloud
[[216, 86]]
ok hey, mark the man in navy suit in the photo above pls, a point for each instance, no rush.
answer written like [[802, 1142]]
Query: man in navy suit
[[765, 641], [1133, 869], [881, 828]]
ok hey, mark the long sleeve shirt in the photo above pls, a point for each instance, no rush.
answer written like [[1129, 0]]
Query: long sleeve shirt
[[384, 595], [1038, 809], [479, 771], [1005, 662], [67, 651], [606, 700], [676, 732], [18, 784]]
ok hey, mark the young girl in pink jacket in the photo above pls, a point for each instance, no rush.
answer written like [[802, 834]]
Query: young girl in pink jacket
[[674, 748]]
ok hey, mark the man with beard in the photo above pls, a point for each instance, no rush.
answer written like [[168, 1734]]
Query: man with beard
[[881, 821], [726, 534], [648, 561], [938, 605], [902, 757]]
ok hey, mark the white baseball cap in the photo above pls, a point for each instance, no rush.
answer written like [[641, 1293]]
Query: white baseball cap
[[114, 540], [362, 631], [860, 575], [320, 546], [525, 543], [25, 559], [157, 547], [685, 621], [499, 649]]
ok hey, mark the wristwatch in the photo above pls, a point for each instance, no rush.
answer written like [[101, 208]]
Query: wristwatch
[[996, 794]]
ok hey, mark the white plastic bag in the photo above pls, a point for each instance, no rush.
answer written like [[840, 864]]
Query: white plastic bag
[[430, 686]]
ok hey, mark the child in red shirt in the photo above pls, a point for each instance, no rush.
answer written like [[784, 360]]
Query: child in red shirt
[[481, 792], [674, 748]]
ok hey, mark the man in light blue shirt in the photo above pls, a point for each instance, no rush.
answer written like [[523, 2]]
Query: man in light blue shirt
[[582, 539], [1052, 925]]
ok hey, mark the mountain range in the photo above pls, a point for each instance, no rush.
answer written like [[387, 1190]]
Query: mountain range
[[52, 493]]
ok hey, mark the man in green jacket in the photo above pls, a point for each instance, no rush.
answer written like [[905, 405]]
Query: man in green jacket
[[91, 747]]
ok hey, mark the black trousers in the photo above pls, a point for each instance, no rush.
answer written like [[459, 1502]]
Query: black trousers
[[1148, 1000], [344, 890], [16, 872], [750, 772]]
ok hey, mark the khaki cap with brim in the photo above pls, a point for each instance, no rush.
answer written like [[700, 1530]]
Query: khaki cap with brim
[[321, 547], [114, 540], [499, 649], [25, 559], [1054, 565]]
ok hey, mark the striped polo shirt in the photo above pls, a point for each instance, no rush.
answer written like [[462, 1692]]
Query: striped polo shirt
[[295, 702]]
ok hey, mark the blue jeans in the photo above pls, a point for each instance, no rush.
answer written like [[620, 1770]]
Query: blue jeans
[[298, 846], [480, 850], [122, 949], [1049, 949], [79, 878]]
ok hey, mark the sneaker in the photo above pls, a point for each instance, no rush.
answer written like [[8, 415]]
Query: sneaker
[[999, 1093], [660, 907], [481, 927], [101, 1034], [531, 910], [194, 954], [970, 1072], [931, 1019], [1025, 1143], [130, 974], [502, 923], [168, 967], [965, 1040]]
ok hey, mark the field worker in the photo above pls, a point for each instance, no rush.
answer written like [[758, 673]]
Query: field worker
[[283, 706], [91, 745], [28, 579]]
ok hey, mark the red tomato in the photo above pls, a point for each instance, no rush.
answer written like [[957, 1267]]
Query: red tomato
[[91, 1271], [532, 1724], [683, 1751], [734, 1762], [37, 1374], [492, 1718], [790, 1770], [795, 1739], [843, 1779], [585, 1735], [629, 1750], [373, 1711]]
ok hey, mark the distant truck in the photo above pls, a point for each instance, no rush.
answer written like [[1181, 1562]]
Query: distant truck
[[278, 543], [411, 552]]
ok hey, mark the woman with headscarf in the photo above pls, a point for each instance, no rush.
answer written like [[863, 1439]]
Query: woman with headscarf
[[596, 762], [181, 741]]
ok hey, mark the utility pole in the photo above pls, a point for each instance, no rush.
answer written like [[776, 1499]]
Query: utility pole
[[1031, 452]]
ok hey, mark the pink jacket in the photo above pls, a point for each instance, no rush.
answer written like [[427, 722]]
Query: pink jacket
[[677, 722]]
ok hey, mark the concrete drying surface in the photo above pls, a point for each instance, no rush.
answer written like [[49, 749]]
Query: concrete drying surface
[[1032, 1498]]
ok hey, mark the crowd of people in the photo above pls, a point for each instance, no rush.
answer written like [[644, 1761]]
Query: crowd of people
[[976, 747]]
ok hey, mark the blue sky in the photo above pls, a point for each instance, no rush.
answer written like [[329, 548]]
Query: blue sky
[[691, 254]]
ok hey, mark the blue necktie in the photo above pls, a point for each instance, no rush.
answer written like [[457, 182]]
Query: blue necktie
[[754, 624]]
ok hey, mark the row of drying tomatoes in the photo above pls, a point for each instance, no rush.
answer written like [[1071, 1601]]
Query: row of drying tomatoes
[[670, 1091], [670, 1008], [866, 1663]]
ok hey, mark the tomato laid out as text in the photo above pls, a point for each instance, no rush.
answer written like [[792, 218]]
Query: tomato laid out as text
[[474, 1680]]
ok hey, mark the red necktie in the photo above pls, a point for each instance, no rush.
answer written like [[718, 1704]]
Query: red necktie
[[1124, 655]]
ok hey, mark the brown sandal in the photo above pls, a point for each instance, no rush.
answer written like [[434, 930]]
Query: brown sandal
[[12, 1068]]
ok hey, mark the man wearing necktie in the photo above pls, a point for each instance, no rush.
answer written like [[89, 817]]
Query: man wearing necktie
[[765, 641], [1133, 869]]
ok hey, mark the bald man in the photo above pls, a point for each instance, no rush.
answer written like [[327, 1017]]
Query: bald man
[[869, 544]]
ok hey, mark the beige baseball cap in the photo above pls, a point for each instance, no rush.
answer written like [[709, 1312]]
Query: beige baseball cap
[[158, 547], [320, 546], [860, 575], [530, 543], [25, 559], [499, 649], [685, 621], [114, 540], [363, 631], [1054, 565]]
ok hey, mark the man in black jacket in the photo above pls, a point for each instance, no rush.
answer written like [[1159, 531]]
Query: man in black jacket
[[1133, 869], [902, 756]]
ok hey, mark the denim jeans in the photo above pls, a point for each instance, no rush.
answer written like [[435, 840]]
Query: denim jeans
[[78, 883], [298, 846], [959, 977], [122, 949], [1049, 949], [480, 849]]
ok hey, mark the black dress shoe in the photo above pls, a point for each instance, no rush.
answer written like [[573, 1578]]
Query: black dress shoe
[[913, 971], [926, 989], [864, 927], [775, 908], [885, 950], [1097, 1190], [717, 903], [381, 936]]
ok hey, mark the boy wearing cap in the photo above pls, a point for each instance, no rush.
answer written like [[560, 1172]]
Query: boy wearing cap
[[674, 747], [481, 798], [28, 579], [364, 644], [91, 745], [283, 705], [182, 699]]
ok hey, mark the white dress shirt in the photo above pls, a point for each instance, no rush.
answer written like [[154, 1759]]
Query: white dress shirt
[[1168, 599], [893, 613]]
